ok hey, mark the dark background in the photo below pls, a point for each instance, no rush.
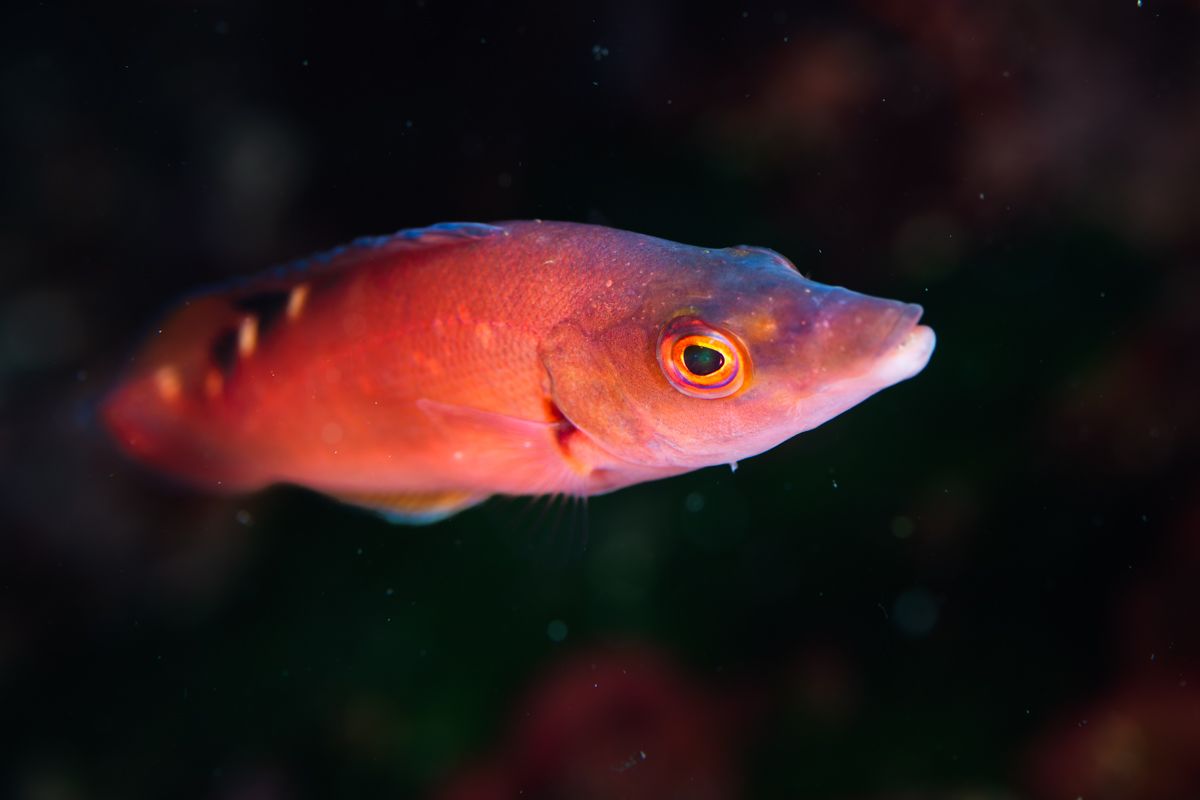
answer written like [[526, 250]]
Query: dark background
[[980, 584]]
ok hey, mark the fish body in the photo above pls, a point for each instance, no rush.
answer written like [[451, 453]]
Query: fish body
[[427, 370]]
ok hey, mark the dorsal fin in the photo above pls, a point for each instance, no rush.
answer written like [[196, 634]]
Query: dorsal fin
[[251, 288], [747, 249], [441, 233], [280, 292]]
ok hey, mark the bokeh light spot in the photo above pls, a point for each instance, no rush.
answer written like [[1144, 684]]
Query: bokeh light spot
[[556, 630], [915, 612]]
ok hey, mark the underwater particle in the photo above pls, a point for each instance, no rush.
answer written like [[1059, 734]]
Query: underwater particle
[[902, 527], [694, 502], [915, 612], [556, 630], [243, 517], [599, 52]]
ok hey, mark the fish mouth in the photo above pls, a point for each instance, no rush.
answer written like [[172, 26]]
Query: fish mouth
[[907, 317], [906, 349]]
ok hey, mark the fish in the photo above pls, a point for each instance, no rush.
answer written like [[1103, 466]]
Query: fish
[[420, 373]]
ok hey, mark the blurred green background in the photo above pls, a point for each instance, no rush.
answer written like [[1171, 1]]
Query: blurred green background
[[979, 584]]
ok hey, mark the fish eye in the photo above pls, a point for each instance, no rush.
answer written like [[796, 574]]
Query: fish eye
[[700, 360]]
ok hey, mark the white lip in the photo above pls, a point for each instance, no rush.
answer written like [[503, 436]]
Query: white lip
[[905, 359], [908, 357]]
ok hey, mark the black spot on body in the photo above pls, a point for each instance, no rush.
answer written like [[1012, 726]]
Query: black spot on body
[[268, 307], [224, 350]]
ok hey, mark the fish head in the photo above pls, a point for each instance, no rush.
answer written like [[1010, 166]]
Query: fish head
[[706, 357]]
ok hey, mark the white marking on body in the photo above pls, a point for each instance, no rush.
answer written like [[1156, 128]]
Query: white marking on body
[[296, 300], [483, 332], [168, 383], [248, 336]]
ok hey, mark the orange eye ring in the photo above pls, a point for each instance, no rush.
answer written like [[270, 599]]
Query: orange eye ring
[[700, 361]]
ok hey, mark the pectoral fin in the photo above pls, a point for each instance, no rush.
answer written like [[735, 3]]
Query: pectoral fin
[[487, 426], [416, 508], [524, 451]]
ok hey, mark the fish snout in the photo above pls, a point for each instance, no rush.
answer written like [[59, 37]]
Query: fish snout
[[894, 346], [837, 334], [842, 347], [860, 326]]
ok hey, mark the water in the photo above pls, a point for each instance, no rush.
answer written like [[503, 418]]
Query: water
[[980, 582]]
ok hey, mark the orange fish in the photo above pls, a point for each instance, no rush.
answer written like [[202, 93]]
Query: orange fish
[[420, 373]]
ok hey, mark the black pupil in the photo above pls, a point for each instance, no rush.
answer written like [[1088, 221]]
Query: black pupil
[[702, 360]]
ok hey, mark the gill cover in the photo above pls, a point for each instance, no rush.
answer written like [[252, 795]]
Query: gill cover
[[592, 392]]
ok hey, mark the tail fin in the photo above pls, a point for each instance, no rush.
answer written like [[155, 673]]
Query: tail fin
[[162, 412]]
